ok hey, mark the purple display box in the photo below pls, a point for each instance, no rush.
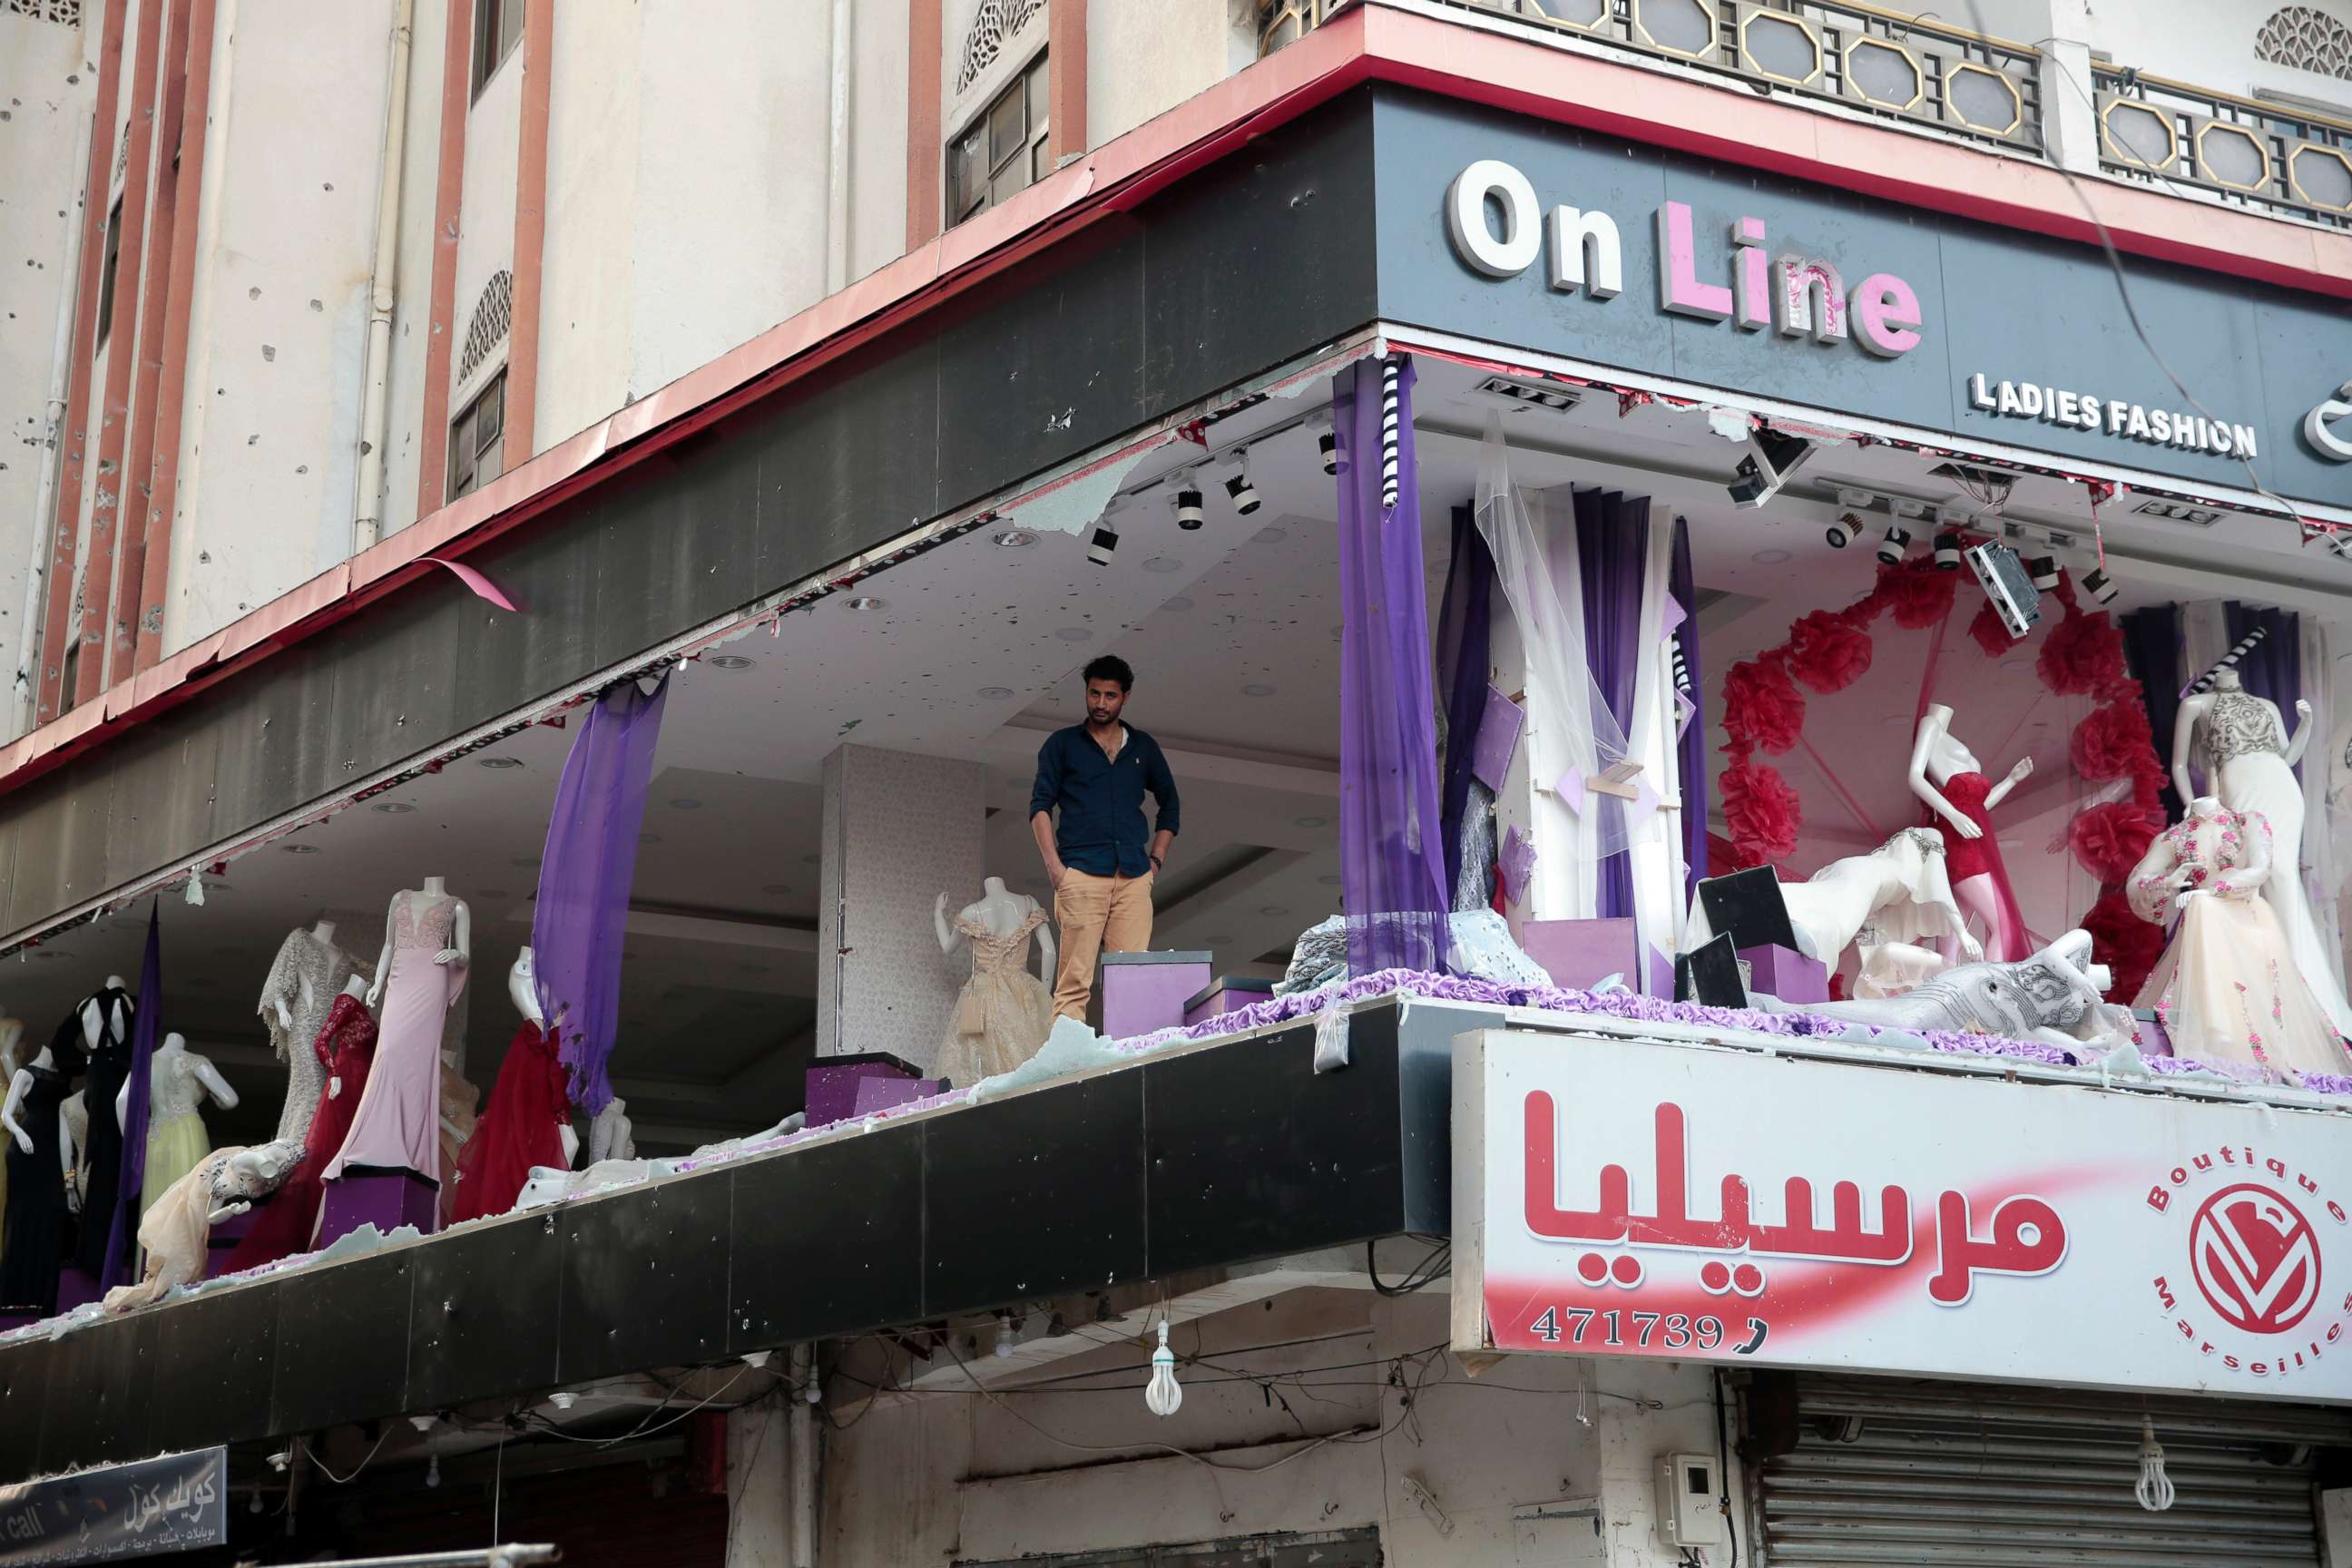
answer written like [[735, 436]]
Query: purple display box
[[1498, 739], [875, 1094], [1226, 993], [223, 1241], [1143, 992], [385, 1199], [833, 1083], [1580, 954], [1777, 970]]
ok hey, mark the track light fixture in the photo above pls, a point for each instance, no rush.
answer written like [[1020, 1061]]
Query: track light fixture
[[1772, 457], [2008, 583], [2100, 586], [1843, 530], [1244, 494], [1947, 552], [2044, 570], [1327, 443], [1187, 508], [1103, 541], [1890, 547]]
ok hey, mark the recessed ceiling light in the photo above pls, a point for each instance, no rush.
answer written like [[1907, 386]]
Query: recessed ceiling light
[[1269, 535], [865, 604], [728, 661], [1075, 634], [300, 848], [775, 887], [685, 802], [1180, 603], [1013, 539], [501, 762], [1164, 563], [1257, 688], [392, 808], [1311, 821], [1769, 557], [1274, 911], [996, 693]]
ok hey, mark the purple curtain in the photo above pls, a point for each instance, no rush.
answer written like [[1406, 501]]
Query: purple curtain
[[583, 882], [2152, 653], [1691, 754], [122, 1241], [1390, 838], [1464, 620], [2274, 669], [1613, 543]]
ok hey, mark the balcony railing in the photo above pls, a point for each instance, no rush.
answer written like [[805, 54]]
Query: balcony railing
[[1878, 62], [2248, 153]]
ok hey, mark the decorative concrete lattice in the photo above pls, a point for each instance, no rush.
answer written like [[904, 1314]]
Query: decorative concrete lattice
[[998, 21], [64, 12], [2307, 39], [493, 315]]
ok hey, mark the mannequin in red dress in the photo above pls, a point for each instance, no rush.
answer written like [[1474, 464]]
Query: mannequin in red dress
[[346, 1048], [528, 1122], [1960, 800]]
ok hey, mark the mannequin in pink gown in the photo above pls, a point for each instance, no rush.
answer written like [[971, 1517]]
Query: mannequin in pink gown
[[397, 1125]]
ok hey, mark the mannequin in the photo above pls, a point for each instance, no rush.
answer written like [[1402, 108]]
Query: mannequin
[[1897, 891], [529, 1123], [1947, 776], [38, 1174], [2226, 988], [12, 1040], [105, 1018], [2249, 759], [178, 1081], [73, 1145], [304, 978], [427, 933], [2056, 996], [341, 1054], [612, 1135], [1004, 1013]]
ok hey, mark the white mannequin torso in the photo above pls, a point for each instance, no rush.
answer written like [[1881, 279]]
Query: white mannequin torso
[[999, 912], [20, 1084]]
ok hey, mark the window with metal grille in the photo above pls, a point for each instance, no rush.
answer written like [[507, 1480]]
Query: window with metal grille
[[498, 28], [1003, 149], [478, 440], [107, 270]]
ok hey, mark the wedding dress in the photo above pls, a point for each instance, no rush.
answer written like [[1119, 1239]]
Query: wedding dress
[[1004, 1013]]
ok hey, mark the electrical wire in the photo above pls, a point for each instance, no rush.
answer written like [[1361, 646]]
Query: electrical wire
[[642, 1429], [344, 1480], [1723, 1469], [1433, 1266]]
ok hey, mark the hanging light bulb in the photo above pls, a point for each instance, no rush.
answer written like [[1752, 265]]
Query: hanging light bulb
[[1163, 1398], [432, 1471], [2155, 1488], [1004, 1337]]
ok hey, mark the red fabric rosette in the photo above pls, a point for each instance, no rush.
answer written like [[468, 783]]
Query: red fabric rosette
[[1761, 708], [1761, 813], [1828, 652], [2108, 840]]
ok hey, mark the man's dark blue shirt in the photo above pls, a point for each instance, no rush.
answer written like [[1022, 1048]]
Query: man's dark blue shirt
[[1101, 830]]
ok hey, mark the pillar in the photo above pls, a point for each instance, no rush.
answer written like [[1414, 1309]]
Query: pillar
[[758, 1502], [2070, 124], [899, 830]]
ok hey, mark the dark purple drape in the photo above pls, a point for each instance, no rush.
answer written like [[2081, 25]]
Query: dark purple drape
[[2274, 668], [1612, 544], [1465, 619], [1390, 835], [1691, 752], [2152, 653], [583, 882], [122, 1241]]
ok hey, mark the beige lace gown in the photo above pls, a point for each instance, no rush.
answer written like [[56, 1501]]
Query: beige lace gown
[[1004, 1013]]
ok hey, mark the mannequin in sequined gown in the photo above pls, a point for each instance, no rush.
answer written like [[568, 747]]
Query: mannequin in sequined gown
[[178, 1080], [305, 978], [341, 1054], [2249, 759], [397, 1124], [1004, 1013]]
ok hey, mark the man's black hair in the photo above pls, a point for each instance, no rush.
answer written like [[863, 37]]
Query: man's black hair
[[1110, 667]]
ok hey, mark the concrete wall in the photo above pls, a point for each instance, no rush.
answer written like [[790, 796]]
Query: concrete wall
[[2212, 46], [1078, 1463], [412, 327], [46, 86], [1145, 57]]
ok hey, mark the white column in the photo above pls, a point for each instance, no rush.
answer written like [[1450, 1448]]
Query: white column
[[759, 1451], [900, 829], [2070, 125]]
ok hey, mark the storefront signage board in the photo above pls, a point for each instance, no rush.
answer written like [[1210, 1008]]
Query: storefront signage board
[[1618, 1198], [1650, 261], [175, 1503]]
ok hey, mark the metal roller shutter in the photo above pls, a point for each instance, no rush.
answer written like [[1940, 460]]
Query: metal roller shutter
[[1891, 1474]]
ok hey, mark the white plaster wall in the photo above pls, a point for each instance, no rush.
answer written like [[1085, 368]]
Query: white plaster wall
[[1145, 57], [594, 130], [46, 88], [485, 216], [948, 1475], [271, 434], [2211, 45], [878, 148], [412, 267]]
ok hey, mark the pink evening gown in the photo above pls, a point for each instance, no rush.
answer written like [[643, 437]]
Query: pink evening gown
[[398, 1122]]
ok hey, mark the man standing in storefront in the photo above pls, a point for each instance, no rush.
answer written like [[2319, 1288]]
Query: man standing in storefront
[[1100, 857]]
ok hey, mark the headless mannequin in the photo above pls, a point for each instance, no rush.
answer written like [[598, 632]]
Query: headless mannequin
[[522, 989], [324, 932], [20, 1083], [167, 1059], [1936, 754], [611, 1134], [356, 989], [1000, 910], [461, 938], [94, 1019], [2194, 711], [12, 1040]]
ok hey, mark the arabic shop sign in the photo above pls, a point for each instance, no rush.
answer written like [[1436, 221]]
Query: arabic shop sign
[[1620, 1198], [174, 1503], [1495, 222], [2117, 417]]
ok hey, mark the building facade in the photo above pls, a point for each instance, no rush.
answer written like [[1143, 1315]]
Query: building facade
[[1518, 446]]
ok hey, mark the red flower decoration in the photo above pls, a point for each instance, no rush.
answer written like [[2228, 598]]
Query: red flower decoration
[[2108, 840], [2112, 742], [2124, 943], [1990, 632], [1761, 813], [1761, 708], [1918, 592], [1828, 652], [2083, 656]]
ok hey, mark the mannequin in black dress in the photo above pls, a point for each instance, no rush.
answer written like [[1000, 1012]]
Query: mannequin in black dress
[[104, 1018], [36, 1223]]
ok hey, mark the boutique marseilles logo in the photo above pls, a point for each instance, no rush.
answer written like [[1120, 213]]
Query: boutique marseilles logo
[[2257, 1243]]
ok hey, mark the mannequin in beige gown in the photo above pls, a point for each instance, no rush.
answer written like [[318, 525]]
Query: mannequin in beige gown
[[1004, 1013]]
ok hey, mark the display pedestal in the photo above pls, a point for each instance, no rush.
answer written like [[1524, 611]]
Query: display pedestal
[[1580, 955], [223, 1241], [1143, 992], [2154, 1040], [1777, 970], [833, 1083], [877, 1094], [385, 1199], [1225, 994]]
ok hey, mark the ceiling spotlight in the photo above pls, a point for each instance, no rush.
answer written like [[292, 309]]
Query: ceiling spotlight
[[1842, 530], [1772, 457], [867, 603], [392, 808], [1327, 443], [501, 762], [1187, 508], [2044, 570], [300, 848], [2100, 586], [564, 1399], [1947, 552], [1013, 539], [1104, 541], [1244, 494], [1890, 547], [1004, 1341], [728, 661]]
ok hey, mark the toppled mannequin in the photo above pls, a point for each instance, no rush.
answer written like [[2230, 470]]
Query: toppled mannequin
[[2054, 996]]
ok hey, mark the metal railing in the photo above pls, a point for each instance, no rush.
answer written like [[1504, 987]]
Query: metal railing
[[2267, 156], [1879, 62]]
